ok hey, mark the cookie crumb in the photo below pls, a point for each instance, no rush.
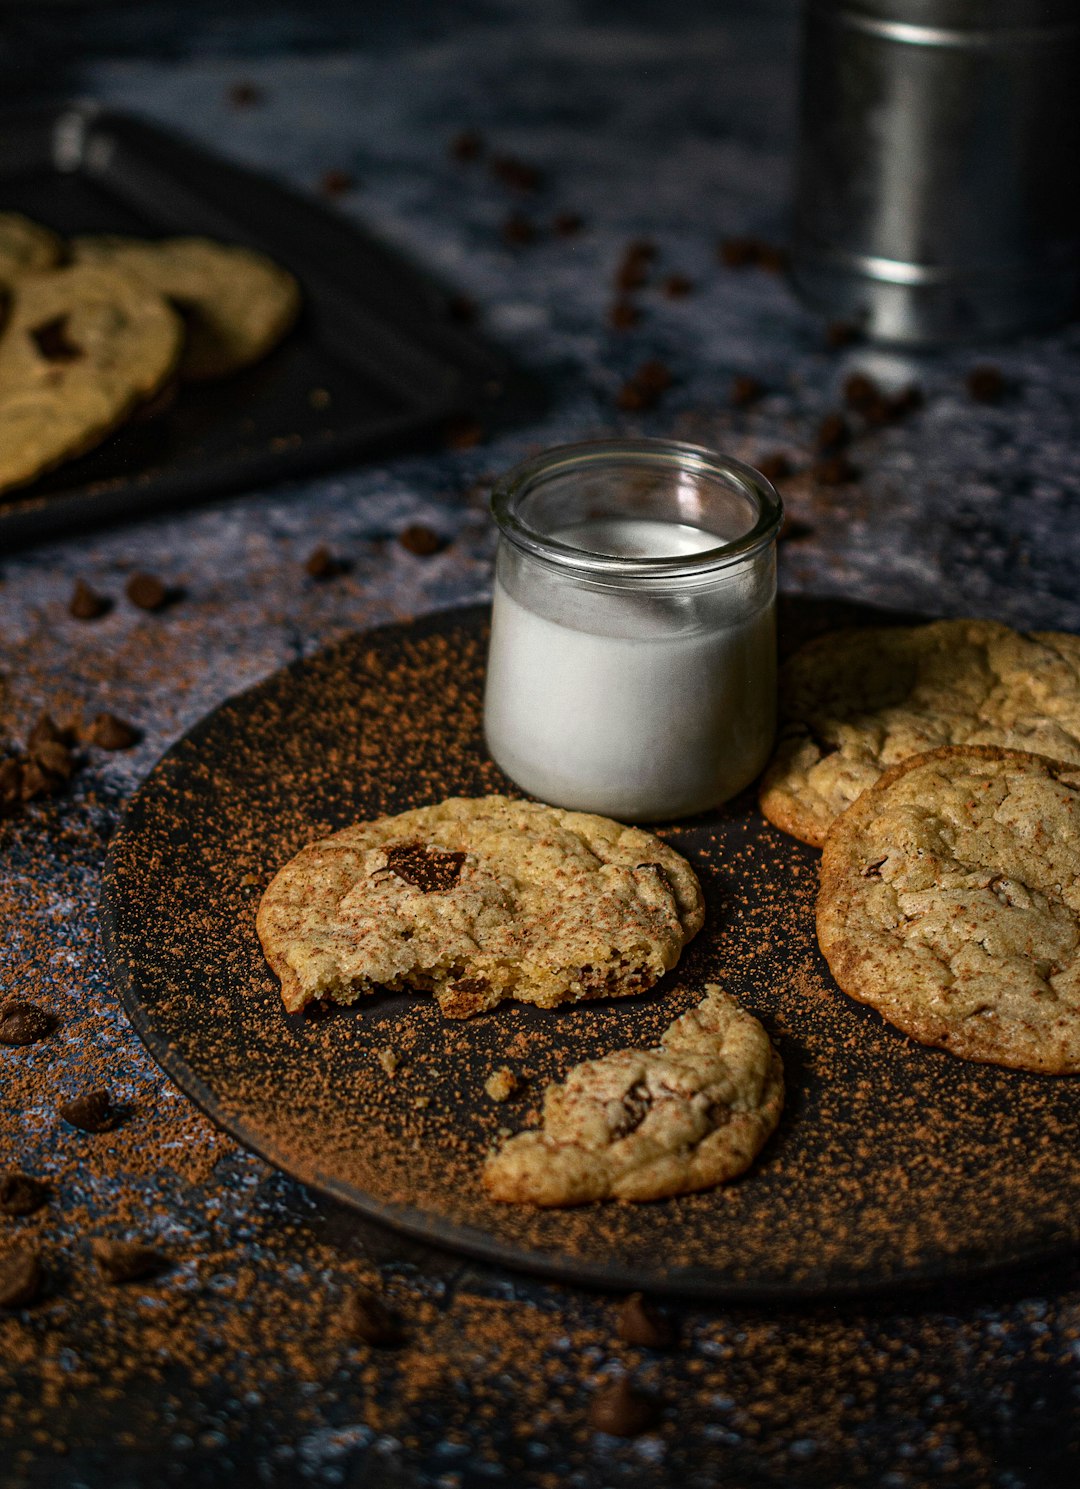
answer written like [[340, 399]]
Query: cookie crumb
[[86, 603], [389, 1059], [501, 1084], [421, 1103]]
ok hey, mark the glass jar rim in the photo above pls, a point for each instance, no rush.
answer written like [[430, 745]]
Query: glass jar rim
[[512, 487]]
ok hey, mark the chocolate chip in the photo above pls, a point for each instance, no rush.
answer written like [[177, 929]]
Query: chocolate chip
[[567, 224], [678, 286], [516, 174], [321, 563], [745, 391], [245, 95], [36, 781], [860, 390], [11, 783], [46, 731], [840, 334], [775, 467], [623, 315], [518, 230], [986, 384], [21, 1194], [110, 733], [21, 1278], [621, 1410], [427, 869], [641, 1323], [128, 1261], [835, 470], [337, 183], [24, 1023], [420, 539], [643, 250], [738, 253], [86, 604], [91, 1112], [147, 592], [630, 275], [468, 145], [369, 1319], [832, 432], [54, 759], [52, 341], [636, 1102]]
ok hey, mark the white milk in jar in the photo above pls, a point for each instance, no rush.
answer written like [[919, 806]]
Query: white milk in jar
[[632, 665]]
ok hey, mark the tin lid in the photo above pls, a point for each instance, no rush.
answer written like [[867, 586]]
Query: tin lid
[[957, 22]]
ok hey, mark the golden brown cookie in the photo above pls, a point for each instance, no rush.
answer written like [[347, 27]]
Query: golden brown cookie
[[81, 348], [853, 703], [648, 1124], [950, 902], [477, 900], [26, 247], [236, 303]]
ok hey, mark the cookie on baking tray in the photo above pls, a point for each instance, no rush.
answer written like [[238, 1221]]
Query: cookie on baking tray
[[645, 1124], [237, 304], [26, 247], [854, 703], [950, 902], [80, 349], [477, 900]]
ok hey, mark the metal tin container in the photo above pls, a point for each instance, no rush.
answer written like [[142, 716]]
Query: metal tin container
[[935, 196]]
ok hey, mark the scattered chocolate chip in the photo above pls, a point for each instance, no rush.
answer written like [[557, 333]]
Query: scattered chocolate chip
[[860, 390], [24, 1023], [337, 182], [36, 781], [468, 145], [419, 539], [464, 434], [518, 230], [91, 1112], [986, 384], [128, 1261], [833, 432], [641, 1323], [245, 95], [321, 563], [678, 286], [737, 253], [110, 733], [623, 315], [567, 224], [643, 389], [840, 334], [52, 341], [775, 467], [630, 275], [621, 1410], [516, 174], [462, 308], [369, 1319], [745, 390], [54, 760], [21, 1194], [427, 869], [86, 604], [147, 592], [46, 732], [21, 1278], [835, 470]]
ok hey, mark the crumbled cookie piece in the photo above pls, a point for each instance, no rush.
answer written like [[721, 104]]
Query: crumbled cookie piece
[[501, 1084]]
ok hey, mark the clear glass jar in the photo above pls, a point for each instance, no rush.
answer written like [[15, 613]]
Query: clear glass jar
[[632, 663]]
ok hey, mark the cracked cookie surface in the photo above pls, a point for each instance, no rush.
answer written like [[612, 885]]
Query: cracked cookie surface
[[651, 1123], [855, 703], [476, 900], [950, 902]]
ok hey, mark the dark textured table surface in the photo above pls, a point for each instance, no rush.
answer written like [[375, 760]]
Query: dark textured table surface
[[649, 121]]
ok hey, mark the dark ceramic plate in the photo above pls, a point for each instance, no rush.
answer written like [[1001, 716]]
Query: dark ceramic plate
[[893, 1163]]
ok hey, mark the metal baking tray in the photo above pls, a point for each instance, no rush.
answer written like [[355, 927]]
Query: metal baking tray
[[378, 360]]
